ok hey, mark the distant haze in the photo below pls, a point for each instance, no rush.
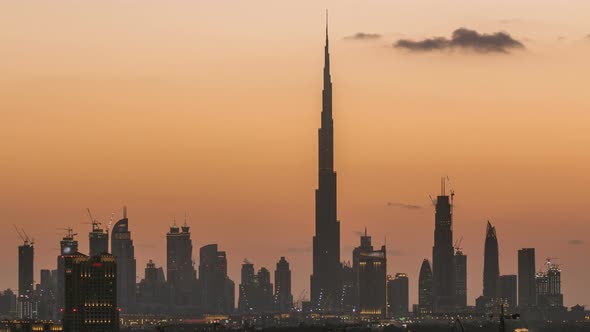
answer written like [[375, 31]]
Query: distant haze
[[212, 108]]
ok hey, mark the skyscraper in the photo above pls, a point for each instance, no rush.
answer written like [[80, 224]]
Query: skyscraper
[[507, 290], [398, 295], [491, 266], [98, 240], [365, 247], [443, 269], [425, 295], [283, 299], [122, 248], [90, 294], [181, 274], [548, 287], [217, 288], [247, 291], [68, 246], [527, 295], [265, 289], [372, 283], [460, 280], [26, 253], [325, 280]]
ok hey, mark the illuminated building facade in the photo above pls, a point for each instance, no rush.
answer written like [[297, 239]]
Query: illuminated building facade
[[90, 294], [372, 283]]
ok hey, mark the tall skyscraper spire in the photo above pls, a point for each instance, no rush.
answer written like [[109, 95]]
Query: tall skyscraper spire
[[325, 280]]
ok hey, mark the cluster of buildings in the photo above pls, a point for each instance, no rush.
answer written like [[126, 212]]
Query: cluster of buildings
[[90, 292]]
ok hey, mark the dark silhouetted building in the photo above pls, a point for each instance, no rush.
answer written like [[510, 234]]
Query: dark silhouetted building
[[443, 268], [325, 280], [217, 289], [122, 248], [68, 246], [90, 294], [26, 301], [283, 298], [491, 266], [460, 281], [372, 283], [265, 291], [98, 240], [181, 274], [247, 291], [7, 302], [365, 247], [348, 300], [46, 294], [527, 295], [507, 290], [425, 295], [152, 295], [398, 293]]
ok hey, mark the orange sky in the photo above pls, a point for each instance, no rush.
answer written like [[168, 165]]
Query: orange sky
[[212, 107]]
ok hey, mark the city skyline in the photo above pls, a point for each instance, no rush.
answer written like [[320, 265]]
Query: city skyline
[[396, 195]]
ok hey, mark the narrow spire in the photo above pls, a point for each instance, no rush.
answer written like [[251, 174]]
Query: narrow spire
[[125, 212], [326, 24], [365, 230]]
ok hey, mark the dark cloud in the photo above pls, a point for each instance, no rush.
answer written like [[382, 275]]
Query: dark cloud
[[499, 42], [588, 36], [364, 36], [404, 206], [576, 242], [298, 250]]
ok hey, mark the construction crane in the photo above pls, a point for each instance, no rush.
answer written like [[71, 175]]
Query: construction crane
[[69, 232], [458, 244], [94, 222], [24, 236]]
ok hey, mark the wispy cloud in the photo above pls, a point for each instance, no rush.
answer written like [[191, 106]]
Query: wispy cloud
[[576, 242], [363, 36], [466, 39], [404, 206]]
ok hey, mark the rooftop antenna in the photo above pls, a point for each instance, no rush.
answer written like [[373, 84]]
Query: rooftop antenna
[[124, 211]]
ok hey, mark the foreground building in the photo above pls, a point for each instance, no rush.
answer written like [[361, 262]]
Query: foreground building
[[27, 306], [68, 246], [372, 283], [90, 294]]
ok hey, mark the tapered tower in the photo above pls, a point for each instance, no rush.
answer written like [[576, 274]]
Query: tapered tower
[[326, 277]]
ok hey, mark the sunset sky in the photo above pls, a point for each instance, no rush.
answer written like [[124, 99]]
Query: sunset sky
[[212, 108]]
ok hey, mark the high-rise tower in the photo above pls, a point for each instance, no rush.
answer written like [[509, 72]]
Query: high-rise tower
[[124, 251], [443, 267], [491, 266], [180, 271], [425, 288], [98, 240], [527, 294], [325, 280], [26, 254], [68, 246], [283, 299]]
